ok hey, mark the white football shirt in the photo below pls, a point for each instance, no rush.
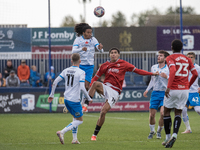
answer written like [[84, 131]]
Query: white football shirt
[[157, 82], [87, 57], [73, 76], [194, 87]]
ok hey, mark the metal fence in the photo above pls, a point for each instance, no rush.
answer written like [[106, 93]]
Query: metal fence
[[61, 60]]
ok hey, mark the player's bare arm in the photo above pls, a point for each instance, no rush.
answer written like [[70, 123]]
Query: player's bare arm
[[167, 92], [100, 46], [50, 99], [155, 73], [145, 93]]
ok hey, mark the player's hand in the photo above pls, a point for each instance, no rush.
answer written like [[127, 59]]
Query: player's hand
[[50, 99], [100, 46], [162, 74], [167, 92], [156, 73], [199, 90], [90, 102], [84, 48], [145, 93]]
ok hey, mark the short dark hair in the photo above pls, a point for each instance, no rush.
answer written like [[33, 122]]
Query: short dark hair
[[191, 53], [177, 45], [164, 52], [114, 48], [75, 57]]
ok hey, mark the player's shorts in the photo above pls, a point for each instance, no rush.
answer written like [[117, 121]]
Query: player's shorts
[[74, 108], [111, 95], [193, 99], [177, 99], [156, 100], [88, 71]]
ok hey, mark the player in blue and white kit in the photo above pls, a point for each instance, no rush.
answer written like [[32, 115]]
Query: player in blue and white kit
[[85, 44], [159, 84], [193, 99], [74, 83]]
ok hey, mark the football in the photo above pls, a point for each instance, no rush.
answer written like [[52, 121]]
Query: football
[[99, 11]]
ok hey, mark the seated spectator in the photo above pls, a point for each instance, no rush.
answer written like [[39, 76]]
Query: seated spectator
[[23, 72], [47, 77], [12, 80], [35, 77], [8, 68], [2, 81]]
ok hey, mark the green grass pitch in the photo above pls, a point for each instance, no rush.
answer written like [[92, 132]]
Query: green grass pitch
[[121, 131]]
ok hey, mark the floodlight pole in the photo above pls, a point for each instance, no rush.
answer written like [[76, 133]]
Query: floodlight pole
[[49, 32], [181, 24]]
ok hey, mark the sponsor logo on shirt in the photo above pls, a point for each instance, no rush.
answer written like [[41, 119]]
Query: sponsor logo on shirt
[[181, 86], [113, 70]]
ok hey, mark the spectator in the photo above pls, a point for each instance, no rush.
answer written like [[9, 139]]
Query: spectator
[[23, 72], [2, 81], [12, 80], [35, 77], [47, 77], [8, 68]]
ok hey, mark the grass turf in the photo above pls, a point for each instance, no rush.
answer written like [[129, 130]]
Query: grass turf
[[120, 131]]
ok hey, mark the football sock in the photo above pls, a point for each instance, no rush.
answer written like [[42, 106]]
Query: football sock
[[167, 124], [74, 132], [152, 127], [74, 124], [186, 118], [177, 123], [159, 129], [97, 129]]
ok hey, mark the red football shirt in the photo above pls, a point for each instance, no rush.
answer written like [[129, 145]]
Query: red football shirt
[[115, 72], [182, 67]]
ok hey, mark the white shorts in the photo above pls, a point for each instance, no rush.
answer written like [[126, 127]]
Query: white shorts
[[177, 99], [111, 95]]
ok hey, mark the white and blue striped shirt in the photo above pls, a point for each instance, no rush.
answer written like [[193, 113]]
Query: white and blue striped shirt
[[194, 87]]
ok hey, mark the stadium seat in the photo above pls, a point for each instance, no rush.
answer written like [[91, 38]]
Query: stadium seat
[[128, 79], [138, 80], [24, 85]]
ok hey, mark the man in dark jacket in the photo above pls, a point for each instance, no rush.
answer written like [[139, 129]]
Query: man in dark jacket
[[8, 68]]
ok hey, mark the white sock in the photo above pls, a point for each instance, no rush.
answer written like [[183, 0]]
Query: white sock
[[186, 118], [159, 129], [152, 127], [168, 136], [74, 132], [74, 124]]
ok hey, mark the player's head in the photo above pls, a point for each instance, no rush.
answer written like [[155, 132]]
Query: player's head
[[114, 54], [162, 56], [83, 29], [177, 45], [75, 59], [191, 55]]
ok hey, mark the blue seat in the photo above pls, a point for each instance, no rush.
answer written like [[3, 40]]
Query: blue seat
[[24, 85], [138, 80], [128, 79]]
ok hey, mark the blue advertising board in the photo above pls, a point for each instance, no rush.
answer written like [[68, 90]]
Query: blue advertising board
[[15, 40]]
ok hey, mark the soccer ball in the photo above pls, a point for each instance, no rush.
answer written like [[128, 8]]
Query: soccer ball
[[99, 11]]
